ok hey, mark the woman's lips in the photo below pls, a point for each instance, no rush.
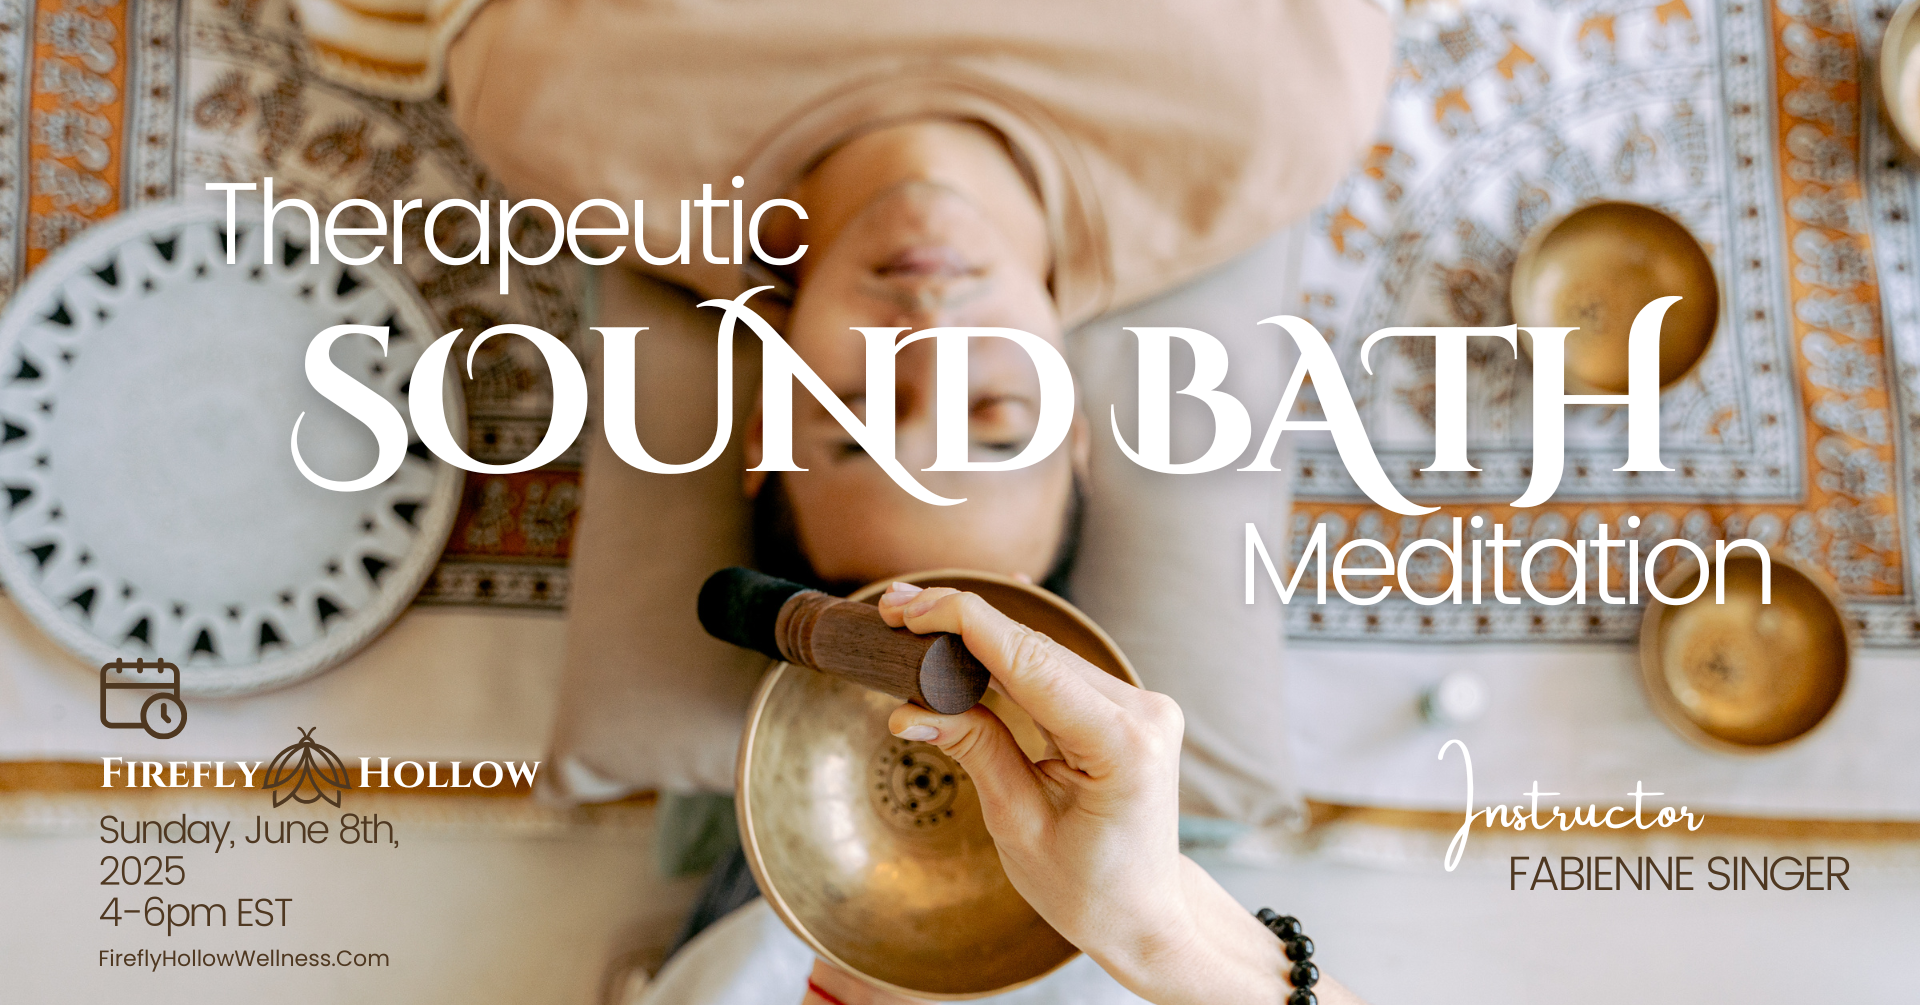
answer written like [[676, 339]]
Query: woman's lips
[[928, 261]]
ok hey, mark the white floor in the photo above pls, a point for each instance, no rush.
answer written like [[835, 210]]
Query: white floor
[[1394, 925], [523, 906]]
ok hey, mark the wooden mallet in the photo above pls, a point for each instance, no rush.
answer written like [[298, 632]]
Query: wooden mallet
[[788, 621]]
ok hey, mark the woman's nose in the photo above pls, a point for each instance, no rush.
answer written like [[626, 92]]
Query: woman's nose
[[937, 301], [936, 314], [914, 376]]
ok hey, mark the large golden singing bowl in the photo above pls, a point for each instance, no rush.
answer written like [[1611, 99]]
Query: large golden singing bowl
[[1745, 676], [1900, 73], [872, 848], [1594, 269]]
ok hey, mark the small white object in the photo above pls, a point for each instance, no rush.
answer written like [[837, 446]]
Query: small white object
[[1459, 698]]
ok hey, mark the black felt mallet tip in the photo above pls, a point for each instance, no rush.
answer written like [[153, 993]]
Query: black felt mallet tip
[[742, 606]]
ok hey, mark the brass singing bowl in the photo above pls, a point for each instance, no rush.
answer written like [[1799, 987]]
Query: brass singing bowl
[[1900, 73], [1594, 269], [1742, 676], [872, 848]]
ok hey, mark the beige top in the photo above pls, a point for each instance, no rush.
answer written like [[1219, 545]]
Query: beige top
[[1163, 138]]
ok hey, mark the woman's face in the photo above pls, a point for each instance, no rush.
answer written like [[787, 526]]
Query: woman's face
[[922, 256]]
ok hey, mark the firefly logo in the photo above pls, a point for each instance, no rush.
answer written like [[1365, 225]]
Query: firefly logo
[[308, 771]]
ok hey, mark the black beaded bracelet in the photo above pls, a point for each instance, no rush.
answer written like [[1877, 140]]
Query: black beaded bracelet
[[1305, 973]]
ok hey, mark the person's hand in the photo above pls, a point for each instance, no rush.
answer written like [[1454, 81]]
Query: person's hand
[[1091, 838]]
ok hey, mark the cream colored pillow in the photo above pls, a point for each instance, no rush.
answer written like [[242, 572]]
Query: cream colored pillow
[[1160, 562], [650, 702]]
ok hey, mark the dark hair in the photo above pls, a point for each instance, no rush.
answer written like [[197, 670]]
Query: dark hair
[[777, 550]]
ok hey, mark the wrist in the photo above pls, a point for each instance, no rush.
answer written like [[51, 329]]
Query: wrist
[[1150, 960], [1213, 951], [1226, 967]]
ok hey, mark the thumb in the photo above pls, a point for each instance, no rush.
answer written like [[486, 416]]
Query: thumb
[[1006, 780]]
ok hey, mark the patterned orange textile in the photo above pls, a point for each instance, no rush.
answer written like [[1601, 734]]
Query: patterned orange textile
[[1756, 125]]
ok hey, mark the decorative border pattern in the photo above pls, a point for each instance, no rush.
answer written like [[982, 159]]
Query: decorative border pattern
[[16, 62], [90, 93], [153, 127], [1892, 195]]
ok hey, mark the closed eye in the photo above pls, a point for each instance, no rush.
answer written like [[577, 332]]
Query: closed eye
[[1002, 424]]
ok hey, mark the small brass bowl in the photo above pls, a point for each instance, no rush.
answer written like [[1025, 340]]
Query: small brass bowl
[[872, 848], [1741, 676], [1900, 74], [1594, 269]]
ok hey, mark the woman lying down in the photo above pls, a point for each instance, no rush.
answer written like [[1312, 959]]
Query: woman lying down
[[998, 163], [990, 164]]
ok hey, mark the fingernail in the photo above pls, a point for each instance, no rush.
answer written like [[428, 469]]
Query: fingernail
[[918, 733], [907, 588], [894, 598], [921, 606]]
